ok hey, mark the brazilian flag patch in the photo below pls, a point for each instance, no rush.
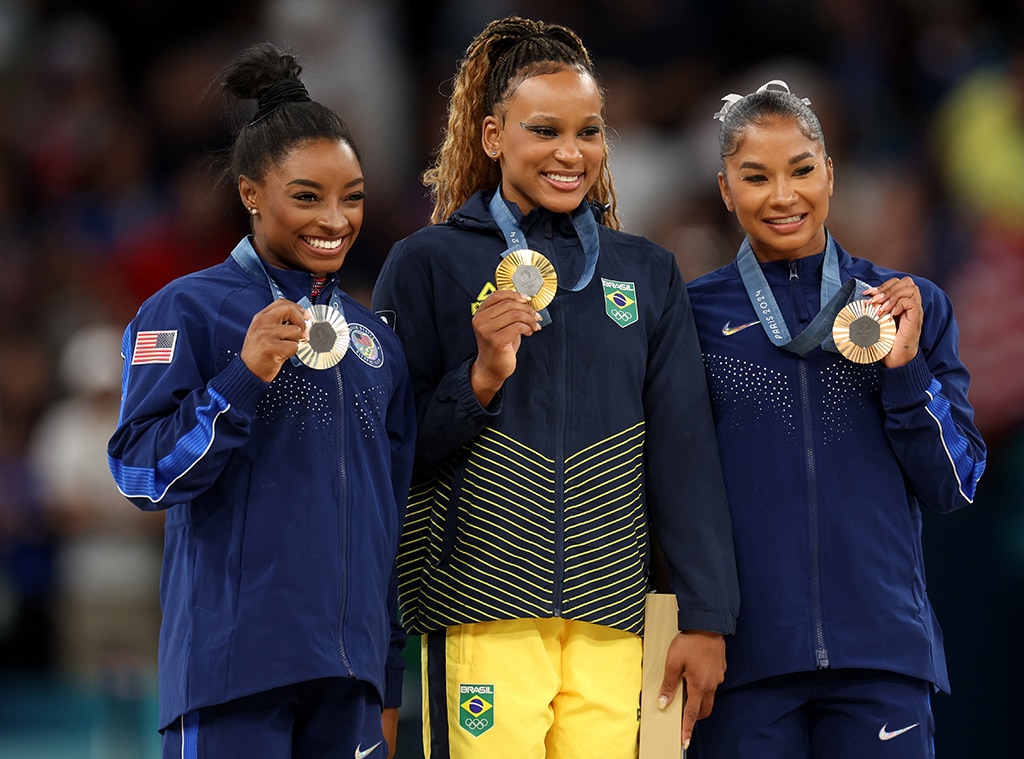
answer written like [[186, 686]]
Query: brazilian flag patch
[[476, 708], [620, 301]]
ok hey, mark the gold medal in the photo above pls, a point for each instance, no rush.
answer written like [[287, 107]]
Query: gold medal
[[328, 338], [862, 334], [528, 272]]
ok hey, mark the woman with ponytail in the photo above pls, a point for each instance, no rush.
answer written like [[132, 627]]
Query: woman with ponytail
[[563, 420], [270, 416], [844, 377]]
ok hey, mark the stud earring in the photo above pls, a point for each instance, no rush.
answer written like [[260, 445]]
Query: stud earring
[[254, 211], [494, 152]]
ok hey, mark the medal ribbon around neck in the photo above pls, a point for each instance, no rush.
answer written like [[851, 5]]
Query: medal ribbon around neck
[[834, 297], [586, 229], [328, 332]]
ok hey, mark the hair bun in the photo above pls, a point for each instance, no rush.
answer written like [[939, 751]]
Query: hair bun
[[278, 93]]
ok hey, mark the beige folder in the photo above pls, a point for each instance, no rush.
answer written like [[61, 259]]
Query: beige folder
[[659, 730]]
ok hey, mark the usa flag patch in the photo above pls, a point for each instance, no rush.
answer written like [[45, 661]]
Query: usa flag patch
[[154, 347]]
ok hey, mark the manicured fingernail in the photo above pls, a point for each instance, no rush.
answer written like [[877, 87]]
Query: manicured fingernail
[[662, 701], [686, 745]]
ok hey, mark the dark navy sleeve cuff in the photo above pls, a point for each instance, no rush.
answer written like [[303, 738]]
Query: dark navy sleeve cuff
[[906, 386], [467, 399], [240, 387], [393, 687], [707, 621]]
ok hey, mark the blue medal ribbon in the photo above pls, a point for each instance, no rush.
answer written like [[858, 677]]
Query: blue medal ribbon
[[834, 297], [246, 257], [584, 223]]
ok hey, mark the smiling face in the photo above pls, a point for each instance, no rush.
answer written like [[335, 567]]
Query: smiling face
[[310, 207], [778, 183], [550, 141]]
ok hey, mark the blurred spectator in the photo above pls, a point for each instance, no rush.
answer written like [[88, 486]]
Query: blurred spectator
[[26, 570], [26, 540], [108, 561], [198, 222], [979, 140], [69, 91]]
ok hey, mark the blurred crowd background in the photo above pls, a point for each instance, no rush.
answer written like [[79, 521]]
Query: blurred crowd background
[[108, 155]]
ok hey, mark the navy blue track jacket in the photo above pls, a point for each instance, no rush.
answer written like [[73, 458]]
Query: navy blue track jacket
[[540, 504], [284, 501], [829, 465]]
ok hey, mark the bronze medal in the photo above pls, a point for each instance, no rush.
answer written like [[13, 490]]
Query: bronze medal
[[328, 338], [530, 273], [862, 334]]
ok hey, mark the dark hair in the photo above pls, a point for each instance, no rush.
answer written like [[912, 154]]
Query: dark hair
[[285, 115], [760, 107], [519, 49], [502, 56]]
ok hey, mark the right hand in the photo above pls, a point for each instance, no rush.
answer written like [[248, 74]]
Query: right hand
[[273, 337], [698, 659], [500, 324]]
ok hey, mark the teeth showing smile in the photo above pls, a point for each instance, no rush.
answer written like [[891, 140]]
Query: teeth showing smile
[[316, 242], [787, 220], [562, 178]]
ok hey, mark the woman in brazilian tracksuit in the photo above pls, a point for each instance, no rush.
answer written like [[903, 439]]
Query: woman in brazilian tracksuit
[[548, 442]]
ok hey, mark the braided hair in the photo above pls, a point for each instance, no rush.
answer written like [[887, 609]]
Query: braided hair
[[285, 115], [500, 58]]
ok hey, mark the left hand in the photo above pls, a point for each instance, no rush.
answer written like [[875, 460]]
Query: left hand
[[389, 721], [698, 658], [901, 298]]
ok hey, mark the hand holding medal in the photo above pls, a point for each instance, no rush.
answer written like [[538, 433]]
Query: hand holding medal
[[868, 330], [272, 336], [900, 298]]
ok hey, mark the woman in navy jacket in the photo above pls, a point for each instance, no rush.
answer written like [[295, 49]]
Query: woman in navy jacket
[[272, 417], [841, 410]]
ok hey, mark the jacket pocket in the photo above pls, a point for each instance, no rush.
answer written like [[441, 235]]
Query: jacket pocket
[[446, 510]]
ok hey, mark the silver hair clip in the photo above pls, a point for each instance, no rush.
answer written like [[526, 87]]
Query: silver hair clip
[[731, 99]]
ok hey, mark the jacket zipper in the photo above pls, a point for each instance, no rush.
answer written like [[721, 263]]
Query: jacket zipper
[[343, 526], [813, 512], [820, 652], [559, 458]]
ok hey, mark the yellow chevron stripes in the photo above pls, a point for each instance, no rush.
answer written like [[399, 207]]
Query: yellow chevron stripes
[[481, 539]]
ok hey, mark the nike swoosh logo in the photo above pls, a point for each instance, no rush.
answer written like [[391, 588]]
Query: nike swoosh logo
[[363, 754], [730, 330], [885, 735]]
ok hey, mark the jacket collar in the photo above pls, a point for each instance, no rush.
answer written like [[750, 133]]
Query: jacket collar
[[474, 214], [293, 283]]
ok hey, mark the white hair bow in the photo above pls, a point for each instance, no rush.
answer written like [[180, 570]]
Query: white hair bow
[[731, 99]]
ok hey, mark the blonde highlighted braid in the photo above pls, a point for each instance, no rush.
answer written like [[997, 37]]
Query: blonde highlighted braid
[[507, 52]]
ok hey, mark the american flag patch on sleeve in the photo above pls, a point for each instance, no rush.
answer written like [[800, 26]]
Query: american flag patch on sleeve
[[154, 347]]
